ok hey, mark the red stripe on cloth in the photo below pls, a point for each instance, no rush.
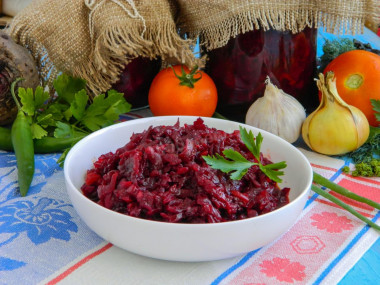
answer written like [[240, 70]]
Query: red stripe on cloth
[[79, 264], [362, 186], [336, 206], [323, 167], [363, 179], [364, 190], [352, 202]]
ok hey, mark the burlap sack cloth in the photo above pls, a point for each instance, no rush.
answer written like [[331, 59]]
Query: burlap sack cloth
[[95, 39], [216, 21]]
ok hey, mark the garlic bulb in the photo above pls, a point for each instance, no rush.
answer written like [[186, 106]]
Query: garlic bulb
[[277, 113], [334, 127]]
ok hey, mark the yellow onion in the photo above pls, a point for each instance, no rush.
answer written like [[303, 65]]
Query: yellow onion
[[335, 127]]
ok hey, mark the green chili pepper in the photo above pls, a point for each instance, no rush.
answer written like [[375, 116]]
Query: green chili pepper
[[22, 141], [43, 145], [50, 144]]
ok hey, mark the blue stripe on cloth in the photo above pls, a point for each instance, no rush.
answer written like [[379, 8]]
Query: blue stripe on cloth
[[345, 251], [332, 178], [311, 200], [234, 267], [366, 269]]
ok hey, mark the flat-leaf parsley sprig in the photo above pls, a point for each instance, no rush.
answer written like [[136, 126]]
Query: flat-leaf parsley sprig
[[236, 165], [376, 108], [70, 114]]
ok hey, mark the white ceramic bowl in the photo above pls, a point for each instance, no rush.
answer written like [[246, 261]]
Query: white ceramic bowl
[[185, 242]]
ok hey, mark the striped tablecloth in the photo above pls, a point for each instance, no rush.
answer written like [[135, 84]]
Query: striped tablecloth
[[43, 240]]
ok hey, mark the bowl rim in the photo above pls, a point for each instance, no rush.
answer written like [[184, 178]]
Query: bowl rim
[[73, 189]]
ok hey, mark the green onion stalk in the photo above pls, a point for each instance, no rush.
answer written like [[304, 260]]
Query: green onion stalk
[[318, 179]]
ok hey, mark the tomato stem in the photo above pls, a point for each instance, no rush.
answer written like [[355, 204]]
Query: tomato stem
[[188, 79]]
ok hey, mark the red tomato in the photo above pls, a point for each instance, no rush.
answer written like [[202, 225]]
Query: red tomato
[[171, 93]]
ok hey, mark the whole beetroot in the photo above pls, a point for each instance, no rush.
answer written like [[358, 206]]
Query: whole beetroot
[[15, 62]]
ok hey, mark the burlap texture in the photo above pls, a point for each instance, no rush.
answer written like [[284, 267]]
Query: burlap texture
[[95, 39], [216, 21]]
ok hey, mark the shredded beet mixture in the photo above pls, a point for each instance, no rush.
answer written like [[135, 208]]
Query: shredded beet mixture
[[160, 175]]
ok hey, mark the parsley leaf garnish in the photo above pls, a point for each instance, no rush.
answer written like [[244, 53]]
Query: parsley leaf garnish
[[254, 145], [37, 131], [27, 100], [67, 86], [78, 105], [31, 102], [105, 110], [236, 165], [63, 130], [376, 107]]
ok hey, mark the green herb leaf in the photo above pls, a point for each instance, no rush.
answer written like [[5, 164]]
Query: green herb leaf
[[27, 100], [272, 170], [40, 97], [371, 147], [117, 106], [67, 114], [45, 120], [37, 131], [70, 113], [67, 86], [113, 97], [104, 111], [98, 106], [61, 159], [237, 165], [249, 140], [63, 130], [234, 155], [56, 110], [376, 107], [79, 104], [94, 123], [30, 101]]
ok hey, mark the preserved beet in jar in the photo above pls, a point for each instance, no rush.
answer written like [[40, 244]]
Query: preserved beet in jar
[[240, 67], [135, 80]]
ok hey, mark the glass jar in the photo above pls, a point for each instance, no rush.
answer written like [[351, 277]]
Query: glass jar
[[135, 80], [239, 69]]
